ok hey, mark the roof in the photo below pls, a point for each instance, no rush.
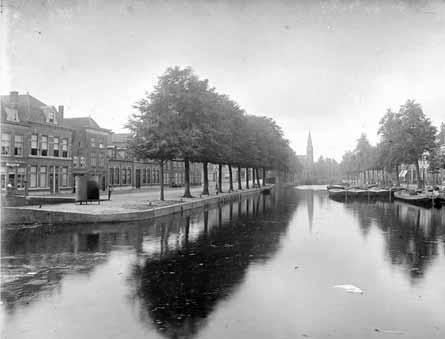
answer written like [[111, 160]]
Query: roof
[[80, 122], [120, 137], [28, 108]]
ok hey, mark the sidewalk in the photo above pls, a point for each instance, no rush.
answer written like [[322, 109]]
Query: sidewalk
[[121, 207]]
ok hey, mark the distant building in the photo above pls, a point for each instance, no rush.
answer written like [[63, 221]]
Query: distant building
[[307, 161], [124, 170], [36, 146]]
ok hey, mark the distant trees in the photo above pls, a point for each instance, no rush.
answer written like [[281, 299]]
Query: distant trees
[[404, 137], [183, 118]]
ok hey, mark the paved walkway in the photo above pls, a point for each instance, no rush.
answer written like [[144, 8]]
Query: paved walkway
[[122, 201]]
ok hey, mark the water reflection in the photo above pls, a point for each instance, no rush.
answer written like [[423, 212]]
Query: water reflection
[[179, 291], [412, 234], [207, 243], [250, 267]]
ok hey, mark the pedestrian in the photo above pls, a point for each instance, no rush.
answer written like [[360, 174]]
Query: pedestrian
[[110, 189], [217, 190]]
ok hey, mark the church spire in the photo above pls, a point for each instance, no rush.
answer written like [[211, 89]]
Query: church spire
[[309, 149]]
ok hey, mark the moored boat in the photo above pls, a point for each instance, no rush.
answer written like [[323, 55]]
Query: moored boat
[[357, 192], [379, 192], [329, 187], [420, 199]]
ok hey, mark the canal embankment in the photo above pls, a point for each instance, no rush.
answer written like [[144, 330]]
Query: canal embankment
[[121, 208]]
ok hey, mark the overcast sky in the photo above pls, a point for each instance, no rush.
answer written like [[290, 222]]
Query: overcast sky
[[331, 67]]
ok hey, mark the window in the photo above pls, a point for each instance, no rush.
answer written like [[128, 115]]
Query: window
[[93, 142], [110, 153], [34, 148], [101, 160], [51, 117], [11, 114], [101, 145], [6, 142], [33, 176], [149, 176], [65, 148], [55, 147], [20, 177], [116, 176], [124, 176], [18, 145], [93, 160], [144, 175], [75, 162], [83, 162], [121, 154], [64, 176], [42, 176], [44, 145], [111, 176], [129, 175], [3, 180]]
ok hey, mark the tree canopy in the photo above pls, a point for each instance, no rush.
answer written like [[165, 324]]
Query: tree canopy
[[183, 118]]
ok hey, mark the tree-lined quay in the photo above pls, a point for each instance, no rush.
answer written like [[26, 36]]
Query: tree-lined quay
[[408, 140], [184, 118], [407, 137]]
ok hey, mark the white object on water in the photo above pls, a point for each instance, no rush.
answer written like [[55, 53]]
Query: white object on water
[[350, 288]]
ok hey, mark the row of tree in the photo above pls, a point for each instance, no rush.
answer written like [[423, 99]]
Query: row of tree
[[406, 137], [184, 118]]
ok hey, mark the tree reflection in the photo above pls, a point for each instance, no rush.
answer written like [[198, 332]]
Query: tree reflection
[[180, 290], [412, 234]]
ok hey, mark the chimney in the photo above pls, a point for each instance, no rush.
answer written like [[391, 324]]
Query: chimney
[[61, 111], [14, 98]]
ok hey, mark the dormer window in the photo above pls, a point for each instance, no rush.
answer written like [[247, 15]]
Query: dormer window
[[11, 114], [51, 117]]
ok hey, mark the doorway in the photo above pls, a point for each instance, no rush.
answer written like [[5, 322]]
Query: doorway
[[54, 181], [138, 178]]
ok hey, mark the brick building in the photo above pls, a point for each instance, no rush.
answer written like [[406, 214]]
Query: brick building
[[36, 147], [90, 142], [126, 172]]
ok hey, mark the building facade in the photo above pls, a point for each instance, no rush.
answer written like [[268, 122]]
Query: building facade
[[43, 152], [124, 171], [36, 147]]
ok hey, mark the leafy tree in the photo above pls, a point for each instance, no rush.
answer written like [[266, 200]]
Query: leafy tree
[[417, 133]]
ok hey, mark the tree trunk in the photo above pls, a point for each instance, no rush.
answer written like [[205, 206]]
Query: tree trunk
[[240, 187], [219, 178], [419, 182], [253, 177], [161, 165], [264, 177], [205, 189], [247, 177], [231, 179], [258, 177], [397, 175], [187, 193]]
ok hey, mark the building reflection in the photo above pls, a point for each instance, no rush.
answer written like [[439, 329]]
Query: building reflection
[[178, 292]]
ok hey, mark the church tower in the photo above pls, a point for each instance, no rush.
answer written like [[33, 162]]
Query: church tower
[[309, 150]]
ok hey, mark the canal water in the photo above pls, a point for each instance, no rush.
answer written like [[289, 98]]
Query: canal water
[[266, 267]]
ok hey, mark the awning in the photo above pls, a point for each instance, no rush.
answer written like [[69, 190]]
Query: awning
[[403, 173]]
